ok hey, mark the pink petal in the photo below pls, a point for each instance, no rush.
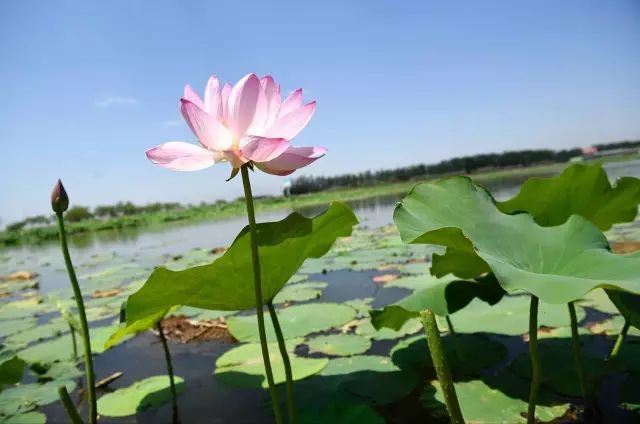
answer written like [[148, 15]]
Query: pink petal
[[212, 102], [289, 125], [210, 132], [243, 100], [224, 100], [272, 93], [193, 97], [179, 156], [293, 158], [259, 122], [262, 149], [291, 103]]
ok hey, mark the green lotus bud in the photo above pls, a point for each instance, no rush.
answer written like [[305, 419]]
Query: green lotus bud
[[59, 198]]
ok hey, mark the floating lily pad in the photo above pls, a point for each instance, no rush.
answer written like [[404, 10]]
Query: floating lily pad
[[16, 326], [478, 353], [366, 328], [295, 321], [510, 316], [25, 397], [33, 417], [361, 306], [341, 413], [558, 366], [339, 344], [11, 368], [599, 300], [482, 404], [57, 371], [242, 366], [557, 264], [53, 328], [370, 378], [300, 292], [141, 395]]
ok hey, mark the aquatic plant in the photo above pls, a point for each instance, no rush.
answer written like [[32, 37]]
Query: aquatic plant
[[557, 264], [59, 204], [247, 125]]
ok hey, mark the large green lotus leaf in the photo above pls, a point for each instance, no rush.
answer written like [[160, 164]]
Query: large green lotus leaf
[[141, 395], [479, 353], [227, 283], [295, 321], [242, 366], [461, 263], [482, 404], [443, 296], [628, 304], [341, 413], [25, 397], [510, 316], [32, 417], [558, 264], [56, 371], [339, 344], [580, 190], [361, 306], [300, 292], [558, 367], [374, 379]]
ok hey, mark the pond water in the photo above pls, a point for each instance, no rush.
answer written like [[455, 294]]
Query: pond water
[[205, 399], [148, 247]]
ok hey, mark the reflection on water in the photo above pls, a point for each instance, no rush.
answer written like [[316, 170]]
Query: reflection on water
[[148, 246]]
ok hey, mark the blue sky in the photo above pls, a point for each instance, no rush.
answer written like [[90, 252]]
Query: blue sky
[[88, 86]]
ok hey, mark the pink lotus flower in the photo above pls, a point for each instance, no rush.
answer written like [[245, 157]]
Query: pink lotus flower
[[248, 122]]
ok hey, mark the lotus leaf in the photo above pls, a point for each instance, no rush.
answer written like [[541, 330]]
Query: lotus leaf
[[141, 395], [339, 344]]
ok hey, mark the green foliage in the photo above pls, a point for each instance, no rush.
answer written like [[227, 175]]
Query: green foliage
[[443, 296], [296, 321], [77, 214], [580, 190], [227, 283], [11, 368], [341, 413], [339, 344], [141, 395], [242, 366], [557, 264]]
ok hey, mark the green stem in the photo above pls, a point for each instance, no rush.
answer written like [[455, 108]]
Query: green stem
[[248, 198], [619, 341], [456, 341], [434, 342], [172, 383], [535, 360], [287, 364], [72, 412], [84, 327], [74, 341], [577, 356]]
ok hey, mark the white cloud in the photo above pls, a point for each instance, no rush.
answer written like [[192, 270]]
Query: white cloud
[[109, 100]]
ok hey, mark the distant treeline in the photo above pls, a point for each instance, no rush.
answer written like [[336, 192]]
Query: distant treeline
[[83, 213], [464, 164]]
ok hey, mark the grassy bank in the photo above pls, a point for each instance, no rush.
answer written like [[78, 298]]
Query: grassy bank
[[222, 210]]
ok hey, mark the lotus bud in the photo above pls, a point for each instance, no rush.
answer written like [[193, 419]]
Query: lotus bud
[[59, 198]]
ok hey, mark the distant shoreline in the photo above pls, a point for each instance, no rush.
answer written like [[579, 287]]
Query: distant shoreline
[[196, 214]]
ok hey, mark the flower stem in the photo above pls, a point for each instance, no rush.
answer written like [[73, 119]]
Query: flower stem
[[84, 327], [454, 337], [248, 198], [72, 412], [535, 360], [577, 356], [434, 342], [74, 341], [287, 364], [172, 383]]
